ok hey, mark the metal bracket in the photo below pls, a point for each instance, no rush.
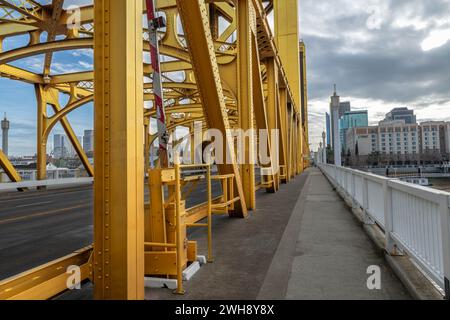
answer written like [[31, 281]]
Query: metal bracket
[[158, 23]]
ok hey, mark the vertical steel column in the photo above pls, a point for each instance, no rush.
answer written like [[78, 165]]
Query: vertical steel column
[[272, 110], [291, 143], [245, 101], [282, 124], [119, 170], [304, 97], [41, 143], [299, 144], [287, 40]]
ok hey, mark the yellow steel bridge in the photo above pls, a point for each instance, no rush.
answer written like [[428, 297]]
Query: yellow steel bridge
[[222, 65]]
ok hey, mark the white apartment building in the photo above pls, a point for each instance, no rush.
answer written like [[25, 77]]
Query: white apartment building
[[397, 138], [389, 138], [433, 137]]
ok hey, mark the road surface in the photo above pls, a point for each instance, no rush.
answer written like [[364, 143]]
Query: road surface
[[39, 226]]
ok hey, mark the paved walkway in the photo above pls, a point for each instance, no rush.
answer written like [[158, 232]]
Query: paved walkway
[[301, 243], [330, 255]]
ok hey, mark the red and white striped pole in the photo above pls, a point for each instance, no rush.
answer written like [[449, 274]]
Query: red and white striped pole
[[154, 23]]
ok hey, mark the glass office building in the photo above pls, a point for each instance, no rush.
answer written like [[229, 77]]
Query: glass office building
[[401, 114], [352, 119]]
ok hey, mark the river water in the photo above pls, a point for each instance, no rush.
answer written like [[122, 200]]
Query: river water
[[440, 183]]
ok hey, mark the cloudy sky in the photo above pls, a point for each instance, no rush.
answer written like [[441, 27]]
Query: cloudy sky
[[381, 54]]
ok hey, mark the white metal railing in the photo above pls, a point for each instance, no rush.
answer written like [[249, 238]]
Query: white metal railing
[[52, 174], [12, 186], [414, 219]]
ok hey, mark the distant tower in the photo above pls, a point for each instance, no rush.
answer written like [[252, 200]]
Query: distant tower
[[5, 129], [335, 104]]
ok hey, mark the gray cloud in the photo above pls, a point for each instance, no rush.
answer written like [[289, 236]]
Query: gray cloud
[[373, 51]]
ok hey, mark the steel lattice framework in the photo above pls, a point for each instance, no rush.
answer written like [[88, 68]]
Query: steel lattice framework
[[221, 64]]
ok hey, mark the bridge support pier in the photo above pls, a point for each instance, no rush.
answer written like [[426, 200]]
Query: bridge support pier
[[118, 266]]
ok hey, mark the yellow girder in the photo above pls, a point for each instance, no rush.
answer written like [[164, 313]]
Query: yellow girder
[[241, 77]]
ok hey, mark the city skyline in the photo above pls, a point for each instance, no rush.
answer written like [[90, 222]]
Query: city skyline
[[376, 80], [381, 54]]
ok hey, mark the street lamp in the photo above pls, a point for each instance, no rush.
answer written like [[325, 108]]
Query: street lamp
[[324, 151]]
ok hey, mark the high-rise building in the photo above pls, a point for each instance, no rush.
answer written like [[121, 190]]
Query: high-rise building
[[5, 129], [59, 148], [342, 109], [328, 125], [401, 114], [63, 147], [352, 119], [88, 141]]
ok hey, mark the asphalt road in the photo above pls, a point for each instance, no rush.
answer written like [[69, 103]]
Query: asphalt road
[[39, 226]]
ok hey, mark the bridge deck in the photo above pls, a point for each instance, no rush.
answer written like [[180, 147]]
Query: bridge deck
[[302, 243]]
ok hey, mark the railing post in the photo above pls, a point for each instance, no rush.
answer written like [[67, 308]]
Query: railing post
[[365, 192], [353, 190], [388, 219], [335, 175], [445, 226]]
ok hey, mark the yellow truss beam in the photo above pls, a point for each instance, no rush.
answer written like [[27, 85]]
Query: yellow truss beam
[[15, 73], [9, 169], [194, 17]]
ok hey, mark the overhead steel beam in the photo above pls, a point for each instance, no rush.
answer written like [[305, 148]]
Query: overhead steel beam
[[72, 77], [59, 45], [194, 16], [15, 73], [119, 166]]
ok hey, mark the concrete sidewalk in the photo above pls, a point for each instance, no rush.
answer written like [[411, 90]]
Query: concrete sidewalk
[[329, 257], [301, 243]]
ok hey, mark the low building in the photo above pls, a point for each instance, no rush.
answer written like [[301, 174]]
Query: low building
[[400, 142]]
